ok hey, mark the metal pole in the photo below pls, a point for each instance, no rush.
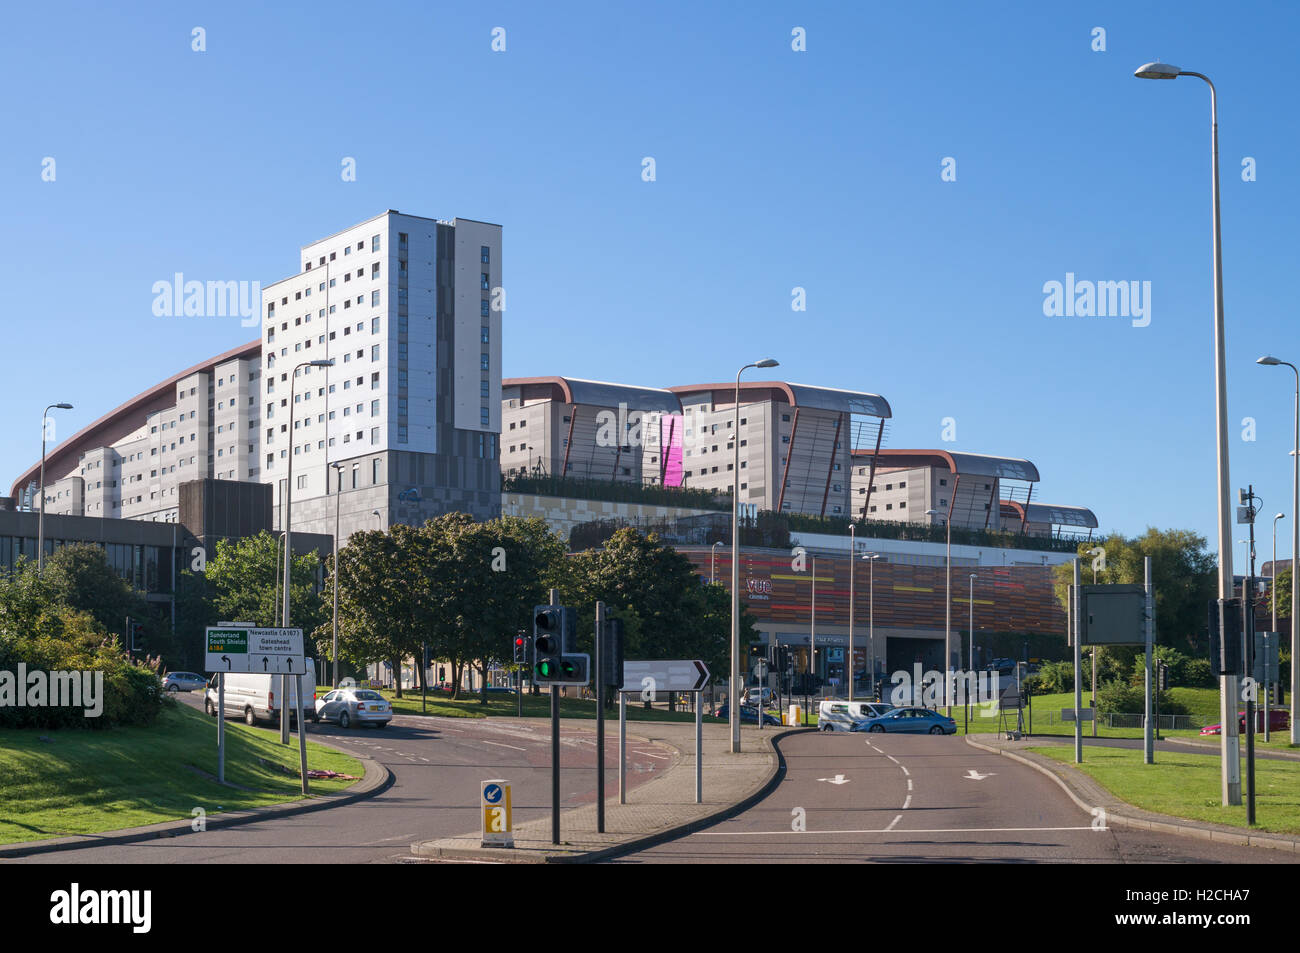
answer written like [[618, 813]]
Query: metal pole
[[555, 749], [852, 664], [699, 743], [622, 747], [812, 631], [338, 493], [1248, 603], [1148, 744], [600, 718], [302, 734], [288, 560], [733, 707], [871, 622], [40, 520], [1078, 661], [221, 727], [1295, 551], [947, 619]]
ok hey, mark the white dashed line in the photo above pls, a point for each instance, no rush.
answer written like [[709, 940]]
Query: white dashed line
[[890, 830], [905, 771], [907, 802], [909, 784], [500, 745], [892, 823], [892, 758]]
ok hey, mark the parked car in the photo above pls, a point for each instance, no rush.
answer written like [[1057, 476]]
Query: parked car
[[838, 715], [183, 682], [915, 721], [748, 713], [354, 706], [752, 696], [257, 696], [1278, 720]]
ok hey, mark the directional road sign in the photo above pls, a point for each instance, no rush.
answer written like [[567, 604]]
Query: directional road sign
[[269, 651], [670, 675]]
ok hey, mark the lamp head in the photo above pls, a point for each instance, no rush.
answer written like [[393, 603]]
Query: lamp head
[[1268, 360], [63, 406], [768, 362], [327, 362], [1157, 70]]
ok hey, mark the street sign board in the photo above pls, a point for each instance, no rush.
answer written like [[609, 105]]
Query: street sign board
[[1085, 714], [667, 675], [1267, 645], [269, 651], [498, 824], [1113, 615]]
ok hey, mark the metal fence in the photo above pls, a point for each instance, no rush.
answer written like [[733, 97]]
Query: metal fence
[[1112, 719]]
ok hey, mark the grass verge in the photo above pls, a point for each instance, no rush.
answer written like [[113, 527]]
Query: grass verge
[[1187, 785], [88, 782]]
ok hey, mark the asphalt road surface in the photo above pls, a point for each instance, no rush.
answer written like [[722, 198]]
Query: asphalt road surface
[[437, 764], [923, 798]]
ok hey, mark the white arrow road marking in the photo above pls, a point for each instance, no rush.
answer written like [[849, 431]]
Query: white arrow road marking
[[838, 779], [500, 745], [973, 775]]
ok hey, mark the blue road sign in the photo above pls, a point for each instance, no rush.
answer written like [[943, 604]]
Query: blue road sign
[[492, 793]]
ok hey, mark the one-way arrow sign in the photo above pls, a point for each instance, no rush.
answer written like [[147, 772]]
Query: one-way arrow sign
[[973, 775], [665, 675], [838, 779]]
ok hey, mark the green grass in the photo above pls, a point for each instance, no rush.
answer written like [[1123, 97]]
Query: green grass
[[88, 782], [1187, 785]]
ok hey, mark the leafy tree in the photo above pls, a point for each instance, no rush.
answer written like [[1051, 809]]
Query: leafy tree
[[246, 576], [1183, 573]]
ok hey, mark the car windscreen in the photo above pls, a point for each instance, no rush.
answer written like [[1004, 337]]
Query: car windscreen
[[369, 696]]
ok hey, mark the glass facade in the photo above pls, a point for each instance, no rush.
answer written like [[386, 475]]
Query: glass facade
[[147, 568]]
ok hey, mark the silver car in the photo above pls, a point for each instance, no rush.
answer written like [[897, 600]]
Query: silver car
[[354, 706], [184, 682]]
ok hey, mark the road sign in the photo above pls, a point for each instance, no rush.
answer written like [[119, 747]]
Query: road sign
[[269, 651], [760, 669], [1267, 645], [494, 807], [1085, 714], [668, 675], [1113, 614]]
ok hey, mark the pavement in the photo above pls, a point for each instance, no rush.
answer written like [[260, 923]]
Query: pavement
[[660, 809], [1092, 797]]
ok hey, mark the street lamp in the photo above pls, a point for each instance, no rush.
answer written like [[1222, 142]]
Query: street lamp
[[871, 619], [1295, 548], [338, 492], [288, 546], [1272, 571], [40, 520], [971, 653], [1230, 747], [733, 706], [852, 661], [947, 609]]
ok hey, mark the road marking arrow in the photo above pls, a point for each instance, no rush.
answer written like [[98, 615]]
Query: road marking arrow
[[973, 775], [838, 779]]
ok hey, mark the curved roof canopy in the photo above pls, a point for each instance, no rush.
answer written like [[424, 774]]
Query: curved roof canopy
[[971, 464], [574, 390], [1055, 514], [799, 395], [122, 420]]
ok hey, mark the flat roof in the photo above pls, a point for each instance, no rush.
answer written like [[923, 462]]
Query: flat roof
[[575, 390]]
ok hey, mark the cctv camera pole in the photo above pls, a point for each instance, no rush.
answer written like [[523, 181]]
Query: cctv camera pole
[[555, 744], [1148, 745]]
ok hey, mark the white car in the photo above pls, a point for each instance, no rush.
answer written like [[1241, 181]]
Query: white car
[[354, 706], [254, 696], [837, 715]]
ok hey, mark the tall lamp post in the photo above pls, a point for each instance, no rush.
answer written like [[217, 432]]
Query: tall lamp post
[[871, 619], [40, 520], [1295, 548], [971, 647], [1230, 745], [338, 492], [288, 546], [947, 609], [733, 703], [852, 661], [1272, 569]]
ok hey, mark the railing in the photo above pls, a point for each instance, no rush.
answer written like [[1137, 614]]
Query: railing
[[616, 491]]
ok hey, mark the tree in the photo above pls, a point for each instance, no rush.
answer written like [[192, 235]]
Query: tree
[[246, 576], [1183, 573], [668, 611]]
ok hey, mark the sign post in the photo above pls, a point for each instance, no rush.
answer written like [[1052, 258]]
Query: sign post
[[495, 813], [673, 675]]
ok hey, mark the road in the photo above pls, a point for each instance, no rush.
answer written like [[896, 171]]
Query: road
[[437, 764], [919, 799]]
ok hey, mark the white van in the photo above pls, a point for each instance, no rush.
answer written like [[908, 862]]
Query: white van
[[838, 715], [257, 696]]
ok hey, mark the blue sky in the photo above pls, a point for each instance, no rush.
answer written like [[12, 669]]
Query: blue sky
[[775, 169]]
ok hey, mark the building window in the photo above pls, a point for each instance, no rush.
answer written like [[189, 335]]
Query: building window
[[484, 254], [483, 281]]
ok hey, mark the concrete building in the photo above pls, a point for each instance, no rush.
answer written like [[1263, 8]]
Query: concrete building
[[404, 423]]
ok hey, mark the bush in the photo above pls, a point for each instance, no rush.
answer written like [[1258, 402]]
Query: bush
[[1052, 678], [1123, 698], [1197, 673]]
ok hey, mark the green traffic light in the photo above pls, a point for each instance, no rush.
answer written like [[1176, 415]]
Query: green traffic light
[[546, 669]]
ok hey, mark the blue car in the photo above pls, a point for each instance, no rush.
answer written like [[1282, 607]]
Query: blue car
[[914, 721]]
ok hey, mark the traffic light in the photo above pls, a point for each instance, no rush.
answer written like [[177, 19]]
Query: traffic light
[[134, 635], [1162, 676], [554, 633], [612, 652], [521, 648], [1225, 652]]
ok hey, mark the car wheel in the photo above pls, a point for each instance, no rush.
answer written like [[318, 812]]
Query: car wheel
[[173, 688], [936, 730], [879, 728], [345, 721], [250, 716], [381, 724]]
